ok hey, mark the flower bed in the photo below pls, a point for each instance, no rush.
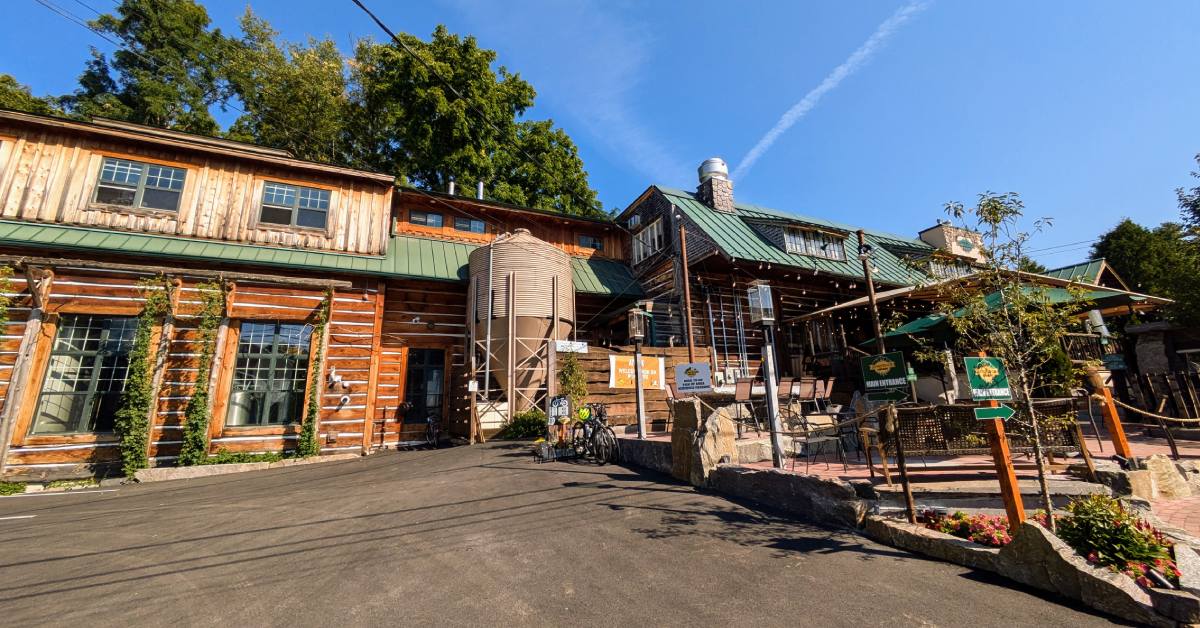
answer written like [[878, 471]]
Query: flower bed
[[1098, 527]]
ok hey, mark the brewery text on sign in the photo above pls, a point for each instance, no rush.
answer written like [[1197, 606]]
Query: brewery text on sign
[[885, 376], [988, 379], [621, 372]]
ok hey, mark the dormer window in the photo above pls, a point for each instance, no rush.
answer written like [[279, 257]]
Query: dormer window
[[294, 206], [425, 219], [948, 269], [814, 243], [591, 242], [139, 185]]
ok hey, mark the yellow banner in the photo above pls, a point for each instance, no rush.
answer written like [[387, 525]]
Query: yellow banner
[[620, 372]]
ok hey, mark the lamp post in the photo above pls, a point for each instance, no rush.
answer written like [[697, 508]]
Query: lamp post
[[637, 333], [762, 311]]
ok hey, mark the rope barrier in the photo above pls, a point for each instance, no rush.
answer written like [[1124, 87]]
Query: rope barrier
[[1162, 417]]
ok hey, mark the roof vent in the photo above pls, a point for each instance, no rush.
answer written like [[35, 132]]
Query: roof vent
[[713, 168]]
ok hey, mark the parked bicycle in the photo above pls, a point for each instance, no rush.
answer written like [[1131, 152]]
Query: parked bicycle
[[433, 431], [592, 436]]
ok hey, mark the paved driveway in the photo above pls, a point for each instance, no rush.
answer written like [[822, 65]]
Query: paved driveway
[[465, 536]]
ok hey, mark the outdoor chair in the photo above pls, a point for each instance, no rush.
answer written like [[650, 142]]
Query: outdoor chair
[[743, 393], [805, 391], [785, 395], [815, 440]]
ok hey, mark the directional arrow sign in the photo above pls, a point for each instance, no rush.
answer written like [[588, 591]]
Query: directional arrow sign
[[891, 394], [1001, 412]]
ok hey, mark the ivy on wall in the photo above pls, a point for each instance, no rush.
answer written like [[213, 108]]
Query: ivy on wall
[[5, 292], [132, 424], [307, 444], [195, 419]]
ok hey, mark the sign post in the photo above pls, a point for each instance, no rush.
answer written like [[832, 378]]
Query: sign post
[[988, 381], [885, 378]]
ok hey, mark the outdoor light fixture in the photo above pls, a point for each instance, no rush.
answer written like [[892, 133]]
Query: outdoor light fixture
[[637, 324], [762, 306]]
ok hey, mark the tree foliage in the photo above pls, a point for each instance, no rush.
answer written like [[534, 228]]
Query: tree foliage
[[1000, 314], [1189, 201], [167, 73], [132, 421], [385, 107], [18, 97], [1161, 261]]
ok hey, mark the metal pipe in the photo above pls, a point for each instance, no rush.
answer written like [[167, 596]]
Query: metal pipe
[[487, 347]]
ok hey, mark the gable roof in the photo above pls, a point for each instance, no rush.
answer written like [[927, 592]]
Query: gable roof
[[407, 257], [1091, 271], [739, 240]]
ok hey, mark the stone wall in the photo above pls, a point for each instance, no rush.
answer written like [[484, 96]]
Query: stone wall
[[806, 497]]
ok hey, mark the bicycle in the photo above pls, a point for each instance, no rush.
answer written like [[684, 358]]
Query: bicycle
[[433, 431], [592, 436]]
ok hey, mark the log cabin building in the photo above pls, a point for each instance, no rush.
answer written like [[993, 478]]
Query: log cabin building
[[90, 211], [810, 263]]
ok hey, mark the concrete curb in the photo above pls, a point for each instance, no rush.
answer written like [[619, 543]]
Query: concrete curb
[[162, 474]]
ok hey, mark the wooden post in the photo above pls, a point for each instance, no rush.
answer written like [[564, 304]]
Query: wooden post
[[687, 293], [39, 285], [1010, 490], [1112, 422], [373, 374]]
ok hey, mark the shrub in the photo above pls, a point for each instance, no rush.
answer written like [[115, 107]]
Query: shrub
[[990, 530], [11, 488], [1108, 535], [525, 424], [237, 457]]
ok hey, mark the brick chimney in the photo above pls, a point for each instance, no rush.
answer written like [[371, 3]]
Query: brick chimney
[[716, 190]]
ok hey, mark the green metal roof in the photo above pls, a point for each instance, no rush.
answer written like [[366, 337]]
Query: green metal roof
[[411, 257], [739, 240], [1087, 272]]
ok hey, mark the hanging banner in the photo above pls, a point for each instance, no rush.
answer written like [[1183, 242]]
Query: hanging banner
[[621, 373], [693, 378]]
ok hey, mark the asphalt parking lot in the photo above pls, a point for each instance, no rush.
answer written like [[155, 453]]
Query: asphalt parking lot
[[478, 536]]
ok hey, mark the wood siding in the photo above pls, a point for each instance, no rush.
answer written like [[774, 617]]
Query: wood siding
[[340, 428], [51, 176], [561, 231]]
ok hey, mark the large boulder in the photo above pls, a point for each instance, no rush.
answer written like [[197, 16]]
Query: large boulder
[[702, 438], [810, 498], [1169, 482], [1039, 559]]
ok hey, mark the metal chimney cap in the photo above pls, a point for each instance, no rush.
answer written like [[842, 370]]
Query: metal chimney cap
[[713, 168]]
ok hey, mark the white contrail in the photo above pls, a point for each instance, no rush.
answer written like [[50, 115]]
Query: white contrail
[[848, 67]]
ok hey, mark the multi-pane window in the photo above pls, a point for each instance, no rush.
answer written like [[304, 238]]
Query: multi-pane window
[[135, 184], [591, 242], [471, 225], [648, 241], [269, 374], [428, 219], [634, 220], [948, 269], [85, 376], [295, 206], [815, 243]]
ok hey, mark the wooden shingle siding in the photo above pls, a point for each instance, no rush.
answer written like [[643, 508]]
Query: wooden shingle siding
[[51, 176]]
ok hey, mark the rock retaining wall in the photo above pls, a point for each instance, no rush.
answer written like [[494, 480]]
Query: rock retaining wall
[[805, 497]]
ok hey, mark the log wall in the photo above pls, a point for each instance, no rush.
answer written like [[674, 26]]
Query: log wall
[[342, 427]]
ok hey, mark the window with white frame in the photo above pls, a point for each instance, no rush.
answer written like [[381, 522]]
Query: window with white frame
[[648, 241], [470, 225], [814, 243], [294, 206], [634, 220], [140, 185], [948, 269], [591, 242], [425, 219]]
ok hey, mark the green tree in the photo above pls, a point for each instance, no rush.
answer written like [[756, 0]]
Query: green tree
[[1189, 201], [1030, 265], [1161, 261], [18, 97], [293, 96], [406, 121], [167, 73], [1006, 317]]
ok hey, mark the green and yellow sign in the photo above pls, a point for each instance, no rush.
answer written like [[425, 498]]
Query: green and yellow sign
[[885, 376], [988, 379]]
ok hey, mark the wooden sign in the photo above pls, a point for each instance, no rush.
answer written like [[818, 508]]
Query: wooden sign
[[621, 372]]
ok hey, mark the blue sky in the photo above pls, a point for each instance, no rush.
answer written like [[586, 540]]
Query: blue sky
[[1088, 109]]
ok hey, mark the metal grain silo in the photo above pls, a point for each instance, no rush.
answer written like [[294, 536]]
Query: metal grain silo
[[522, 285]]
